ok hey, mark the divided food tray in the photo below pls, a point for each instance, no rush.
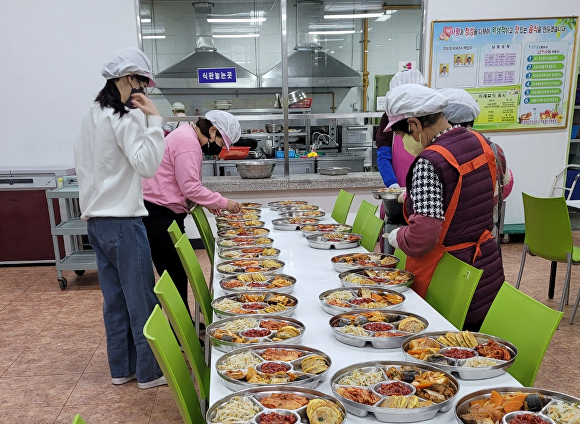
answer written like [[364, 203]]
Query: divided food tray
[[256, 281], [348, 262], [243, 232], [337, 301], [257, 241], [254, 303], [334, 241], [249, 253], [308, 230], [391, 278], [293, 224]]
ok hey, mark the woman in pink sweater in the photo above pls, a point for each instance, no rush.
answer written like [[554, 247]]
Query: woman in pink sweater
[[176, 187]]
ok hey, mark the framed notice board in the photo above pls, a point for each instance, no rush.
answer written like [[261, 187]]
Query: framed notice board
[[518, 70]]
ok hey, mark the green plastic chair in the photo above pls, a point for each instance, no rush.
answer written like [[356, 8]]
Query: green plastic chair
[[451, 289], [166, 350], [342, 206], [371, 230], [174, 232], [78, 419], [205, 232], [527, 324], [549, 236], [364, 209], [402, 258], [180, 321], [196, 278]]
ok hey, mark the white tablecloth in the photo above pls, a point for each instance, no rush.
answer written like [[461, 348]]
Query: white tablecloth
[[314, 273]]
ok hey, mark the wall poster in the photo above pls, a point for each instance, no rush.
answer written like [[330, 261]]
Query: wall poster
[[519, 70]]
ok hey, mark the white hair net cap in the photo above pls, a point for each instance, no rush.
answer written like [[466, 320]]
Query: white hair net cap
[[412, 100], [227, 125], [407, 76], [461, 108], [128, 61], [178, 106]]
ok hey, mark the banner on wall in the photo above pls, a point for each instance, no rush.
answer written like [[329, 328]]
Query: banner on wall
[[518, 70]]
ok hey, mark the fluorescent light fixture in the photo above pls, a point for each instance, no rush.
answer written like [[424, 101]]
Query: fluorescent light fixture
[[235, 20], [153, 36], [145, 20], [350, 31], [236, 35], [354, 16]]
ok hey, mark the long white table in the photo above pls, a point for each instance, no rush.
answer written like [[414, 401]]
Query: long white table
[[314, 273]]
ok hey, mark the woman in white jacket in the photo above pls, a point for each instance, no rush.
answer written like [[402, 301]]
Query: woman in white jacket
[[113, 152]]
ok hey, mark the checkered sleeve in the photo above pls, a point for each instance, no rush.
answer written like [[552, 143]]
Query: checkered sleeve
[[427, 190]]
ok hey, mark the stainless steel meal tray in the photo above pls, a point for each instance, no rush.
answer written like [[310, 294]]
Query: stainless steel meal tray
[[333, 170], [261, 392], [226, 217], [253, 205], [377, 342], [309, 380], [221, 267], [387, 193], [456, 366], [318, 241], [463, 404], [318, 215], [229, 243], [226, 225], [336, 228], [350, 261], [254, 312], [290, 208], [392, 415], [281, 203], [337, 309], [284, 224], [227, 346], [253, 232], [248, 287], [344, 278], [238, 253]]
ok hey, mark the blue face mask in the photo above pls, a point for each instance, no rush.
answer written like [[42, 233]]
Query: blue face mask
[[139, 89]]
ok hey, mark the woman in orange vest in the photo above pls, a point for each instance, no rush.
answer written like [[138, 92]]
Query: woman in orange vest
[[450, 196]]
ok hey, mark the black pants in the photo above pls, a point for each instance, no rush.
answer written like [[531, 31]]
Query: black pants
[[163, 252]]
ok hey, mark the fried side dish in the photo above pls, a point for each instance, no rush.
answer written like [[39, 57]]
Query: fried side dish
[[284, 401], [493, 350]]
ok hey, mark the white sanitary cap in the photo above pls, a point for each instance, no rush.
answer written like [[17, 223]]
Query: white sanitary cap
[[227, 125], [129, 60], [412, 100], [461, 108], [407, 76], [178, 106]]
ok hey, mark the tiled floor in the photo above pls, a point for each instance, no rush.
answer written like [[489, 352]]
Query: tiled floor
[[53, 360]]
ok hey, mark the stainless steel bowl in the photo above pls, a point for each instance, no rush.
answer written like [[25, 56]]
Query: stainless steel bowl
[[296, 96], [256, 169], [273, 128], [254, 154]]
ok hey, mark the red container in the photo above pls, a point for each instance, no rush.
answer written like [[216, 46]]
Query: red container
[[234, 153], [302, 104]]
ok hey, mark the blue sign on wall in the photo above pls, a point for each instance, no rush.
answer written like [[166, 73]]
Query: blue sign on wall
[[216, 75]]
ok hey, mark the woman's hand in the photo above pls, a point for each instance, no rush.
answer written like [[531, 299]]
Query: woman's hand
[[144, 103], [233, 206]]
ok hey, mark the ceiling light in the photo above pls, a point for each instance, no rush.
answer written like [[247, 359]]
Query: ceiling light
[[153, 36], [235, 35], [235, 20], [350, 31], [354, 16], [145, 20]]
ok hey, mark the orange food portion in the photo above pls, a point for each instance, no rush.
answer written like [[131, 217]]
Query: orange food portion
[[496, 398], [512, 405]]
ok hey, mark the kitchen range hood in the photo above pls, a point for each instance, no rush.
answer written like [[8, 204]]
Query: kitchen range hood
[[311, 67], [183, 74]]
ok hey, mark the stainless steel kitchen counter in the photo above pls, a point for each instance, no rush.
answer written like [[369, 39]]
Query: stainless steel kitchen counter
[[295, 182]]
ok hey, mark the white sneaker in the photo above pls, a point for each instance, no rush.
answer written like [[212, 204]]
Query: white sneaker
[[123, 380], [153, 383]]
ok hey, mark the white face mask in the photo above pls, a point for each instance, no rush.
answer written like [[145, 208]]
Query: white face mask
[[411, 145]]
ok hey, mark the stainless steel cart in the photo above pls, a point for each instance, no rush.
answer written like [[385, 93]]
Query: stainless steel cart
[[81, 256]]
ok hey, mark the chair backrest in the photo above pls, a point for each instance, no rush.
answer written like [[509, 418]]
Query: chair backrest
[[526, 323], [342, 206], [195, 277], [205, 232], [182, 324], [402, 257], [78, 419], [166, 350], [548, 231], [174, 232], [452, 287], [364, 209], [371, 230]]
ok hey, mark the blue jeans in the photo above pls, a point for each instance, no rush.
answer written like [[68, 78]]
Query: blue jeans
[[126, 279]]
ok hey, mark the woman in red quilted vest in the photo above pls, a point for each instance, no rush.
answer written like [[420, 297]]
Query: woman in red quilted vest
[[450, 196]]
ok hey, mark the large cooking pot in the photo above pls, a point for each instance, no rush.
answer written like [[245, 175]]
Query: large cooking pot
[[274, 128], [296, 96]]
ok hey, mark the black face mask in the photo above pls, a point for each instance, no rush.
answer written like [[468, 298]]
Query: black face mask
[[211, 148], [128, 103]]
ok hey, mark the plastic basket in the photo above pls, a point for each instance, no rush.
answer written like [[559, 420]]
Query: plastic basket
[[575, 130], [302, 104], [234, 153]]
